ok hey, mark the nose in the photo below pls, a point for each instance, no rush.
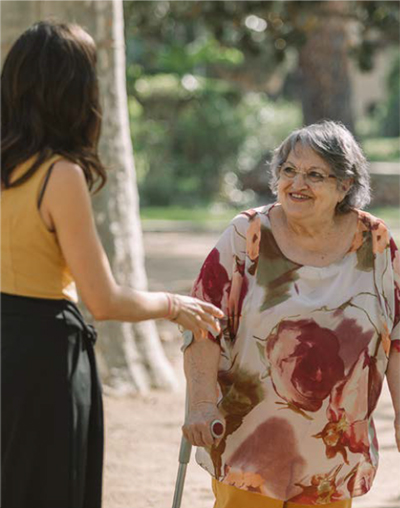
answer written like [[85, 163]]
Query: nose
[[300, 181]]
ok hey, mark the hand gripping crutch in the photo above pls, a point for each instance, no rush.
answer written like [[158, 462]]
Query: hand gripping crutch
[[217, 429]]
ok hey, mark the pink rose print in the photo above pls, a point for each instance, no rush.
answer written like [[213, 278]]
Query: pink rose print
[[361, 480], [323, 489], [254, 465], [305, 363], [396, 345], [213, 285], [213, 281], [348, 413], [253, 237], [385, 339], [353, 339], [236, 296], [380, 236], [379, 232]]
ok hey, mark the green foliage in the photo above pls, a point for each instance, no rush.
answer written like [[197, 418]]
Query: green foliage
[[390, 122], [202, 107], [390, 214], [176, 213], [262, 29], [267, 124], [382, 149], [204, 51], [186, 133], [384, 118]]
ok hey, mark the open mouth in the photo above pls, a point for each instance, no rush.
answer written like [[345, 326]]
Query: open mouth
[[298, 197]]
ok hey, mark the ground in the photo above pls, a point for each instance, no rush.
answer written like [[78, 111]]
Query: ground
[[143, 432]]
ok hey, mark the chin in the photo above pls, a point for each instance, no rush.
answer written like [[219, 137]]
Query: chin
[[298, 208]]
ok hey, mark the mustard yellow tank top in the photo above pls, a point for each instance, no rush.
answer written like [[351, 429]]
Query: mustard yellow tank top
[[32, 263]]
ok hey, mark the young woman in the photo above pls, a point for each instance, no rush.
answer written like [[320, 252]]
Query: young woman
[[52, 430]]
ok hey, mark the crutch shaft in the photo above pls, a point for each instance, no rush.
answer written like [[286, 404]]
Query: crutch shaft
[[180, 481], [184, 458]]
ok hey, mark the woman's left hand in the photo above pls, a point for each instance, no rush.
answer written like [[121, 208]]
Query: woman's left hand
[[195, 315]]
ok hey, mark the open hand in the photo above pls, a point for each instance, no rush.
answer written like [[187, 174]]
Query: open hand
[[195, 315], [197, 427]]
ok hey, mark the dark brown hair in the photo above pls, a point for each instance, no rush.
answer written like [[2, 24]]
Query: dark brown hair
[[50, 101]]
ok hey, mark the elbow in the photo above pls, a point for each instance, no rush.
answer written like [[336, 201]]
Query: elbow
[[100, 315], [101, 311]]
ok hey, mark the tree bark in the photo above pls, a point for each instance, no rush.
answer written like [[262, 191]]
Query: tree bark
[[324, 67], [131, 356]]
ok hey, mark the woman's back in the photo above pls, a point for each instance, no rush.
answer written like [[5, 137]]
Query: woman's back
[[32, 262]]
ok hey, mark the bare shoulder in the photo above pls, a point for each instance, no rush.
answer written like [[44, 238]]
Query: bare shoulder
[[67, 185], [67, 172]]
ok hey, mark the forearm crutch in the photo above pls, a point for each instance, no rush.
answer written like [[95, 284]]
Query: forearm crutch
[[217, 429]]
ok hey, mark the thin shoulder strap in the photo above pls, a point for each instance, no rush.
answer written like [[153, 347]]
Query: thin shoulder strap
[[46, 180]]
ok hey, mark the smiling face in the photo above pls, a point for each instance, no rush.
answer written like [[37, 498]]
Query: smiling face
[[303, 199]]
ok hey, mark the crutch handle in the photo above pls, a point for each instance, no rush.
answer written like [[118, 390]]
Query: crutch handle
[[217, 429]]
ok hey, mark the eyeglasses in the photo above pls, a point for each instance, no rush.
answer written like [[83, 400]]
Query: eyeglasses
[[312, 176]]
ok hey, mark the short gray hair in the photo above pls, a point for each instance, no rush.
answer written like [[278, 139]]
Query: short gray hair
[[334, 143]]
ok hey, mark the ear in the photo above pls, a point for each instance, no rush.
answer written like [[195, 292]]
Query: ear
[[345, 185]]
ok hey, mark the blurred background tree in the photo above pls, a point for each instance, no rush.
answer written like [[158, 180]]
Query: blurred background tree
[[215, 86]]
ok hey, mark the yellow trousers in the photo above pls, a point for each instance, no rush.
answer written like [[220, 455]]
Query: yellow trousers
[[227, 496]]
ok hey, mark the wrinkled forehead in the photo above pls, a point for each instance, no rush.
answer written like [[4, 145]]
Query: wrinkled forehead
[[303, 157]]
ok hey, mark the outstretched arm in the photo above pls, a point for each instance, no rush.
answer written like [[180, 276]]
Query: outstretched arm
[[67, 203]]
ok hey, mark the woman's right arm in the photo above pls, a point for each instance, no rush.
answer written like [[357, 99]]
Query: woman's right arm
[[222, 281], [67, 204], [201, 360]]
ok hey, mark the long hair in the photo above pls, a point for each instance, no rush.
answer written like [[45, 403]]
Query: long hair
[[50, 102]]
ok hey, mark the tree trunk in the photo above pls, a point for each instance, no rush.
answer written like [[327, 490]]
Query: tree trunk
[[131, 357], [324, 68]]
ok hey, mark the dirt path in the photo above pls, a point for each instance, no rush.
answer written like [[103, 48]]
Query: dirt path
[[143, 433]]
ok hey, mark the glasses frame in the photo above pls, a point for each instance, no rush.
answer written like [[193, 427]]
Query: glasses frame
[[305, 174]]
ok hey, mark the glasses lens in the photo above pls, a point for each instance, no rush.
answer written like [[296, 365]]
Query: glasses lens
[[315, 177], [288, 172]]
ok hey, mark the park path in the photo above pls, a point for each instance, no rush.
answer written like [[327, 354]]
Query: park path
[[143, 433]]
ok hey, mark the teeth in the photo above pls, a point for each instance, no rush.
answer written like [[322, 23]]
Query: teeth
[[299, 196]]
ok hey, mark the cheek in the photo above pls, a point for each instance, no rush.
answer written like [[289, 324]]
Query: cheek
[[282, 187], [329, 199]]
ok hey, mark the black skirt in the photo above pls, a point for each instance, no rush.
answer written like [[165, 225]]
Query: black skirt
[[52, 412]]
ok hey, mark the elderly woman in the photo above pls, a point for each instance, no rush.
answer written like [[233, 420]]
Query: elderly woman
[[310, 286]]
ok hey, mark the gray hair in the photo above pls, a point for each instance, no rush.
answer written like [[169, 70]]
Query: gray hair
[[334, 143]]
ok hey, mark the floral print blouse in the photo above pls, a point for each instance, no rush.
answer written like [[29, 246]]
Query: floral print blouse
[[304, 352]]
